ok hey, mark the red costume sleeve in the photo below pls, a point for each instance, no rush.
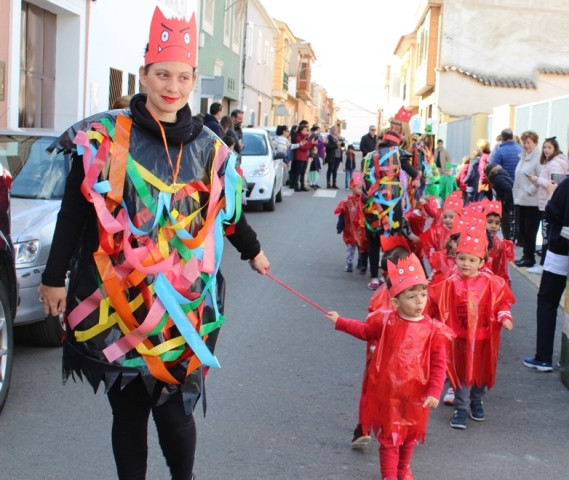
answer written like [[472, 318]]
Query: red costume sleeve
[[438, 370], [355, 328]]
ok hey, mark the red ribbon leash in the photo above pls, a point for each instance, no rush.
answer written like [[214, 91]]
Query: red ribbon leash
[[298, 294]]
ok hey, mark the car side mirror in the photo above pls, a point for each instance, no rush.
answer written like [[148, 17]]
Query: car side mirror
[[280, 155]]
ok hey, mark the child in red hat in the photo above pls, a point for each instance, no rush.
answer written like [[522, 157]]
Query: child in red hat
[[351, 225], [408, 366], [502, 251], [435, 238], [475, 303]]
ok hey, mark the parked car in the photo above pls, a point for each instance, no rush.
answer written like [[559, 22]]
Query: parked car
[[37, 190], [8, 288], [262, 168], [356, 145]]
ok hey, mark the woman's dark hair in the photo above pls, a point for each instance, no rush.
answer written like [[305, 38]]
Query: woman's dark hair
[[556, 151], [281, 129], [226, 123]]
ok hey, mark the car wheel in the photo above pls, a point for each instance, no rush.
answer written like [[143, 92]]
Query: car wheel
[[6, 345], [49, 332], [279, 197], [270, 205]]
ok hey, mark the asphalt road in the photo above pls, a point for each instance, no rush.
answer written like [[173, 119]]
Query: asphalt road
[[284, 403]]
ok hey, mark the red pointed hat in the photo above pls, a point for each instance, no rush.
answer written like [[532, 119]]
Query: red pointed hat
[[473, 237], [493, 206], [407, 273], [395, 240], [172, 40], [454, 202], [458, 225], [475, 208], [404, 115], [357, 179]]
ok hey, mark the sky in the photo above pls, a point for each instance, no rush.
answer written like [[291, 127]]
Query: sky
[[353, 42]]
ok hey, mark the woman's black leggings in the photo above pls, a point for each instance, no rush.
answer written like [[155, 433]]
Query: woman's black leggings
[[131, 408]]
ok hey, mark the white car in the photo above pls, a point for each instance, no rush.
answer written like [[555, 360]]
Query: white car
[[262, 168], [37, 190]]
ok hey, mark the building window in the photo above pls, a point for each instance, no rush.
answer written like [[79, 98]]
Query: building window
[[37, 68], [131, 84], [236, 32], [259, 47], [207, 17], [227, 23], [115, 85], [267, 53]]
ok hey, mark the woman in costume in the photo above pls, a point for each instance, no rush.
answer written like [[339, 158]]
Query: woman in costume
[[148, 199]]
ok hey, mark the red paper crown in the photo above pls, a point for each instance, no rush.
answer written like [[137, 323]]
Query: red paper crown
[[394, 138], [357, 179], [404, 114], [473, 237], [475, 208], [394, 240], [172, 40], [454, 202], [458, 225], [493, 206], [407, 273]]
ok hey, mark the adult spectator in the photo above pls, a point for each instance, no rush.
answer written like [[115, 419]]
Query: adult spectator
[[333, 157], [526, 200], [211, 119], [502, 184], [553, 279], [368, 143], [553, 161], [508, 153], [442, 155], [237, 117]]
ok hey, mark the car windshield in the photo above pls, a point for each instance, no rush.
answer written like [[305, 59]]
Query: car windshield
[[255, 144], [36, 172]]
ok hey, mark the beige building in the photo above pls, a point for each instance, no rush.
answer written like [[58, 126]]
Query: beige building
[[470, 58]]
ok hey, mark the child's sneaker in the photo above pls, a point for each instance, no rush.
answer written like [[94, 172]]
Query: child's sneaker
[[459, 419], [360, 438], [349, 268], [477, 411], [448, 399], [373, 285]]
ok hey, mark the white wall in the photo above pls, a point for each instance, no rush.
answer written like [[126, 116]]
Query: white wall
[[117, 38], [357, 120]]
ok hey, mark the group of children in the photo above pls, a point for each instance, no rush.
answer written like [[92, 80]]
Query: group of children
[[421, 329]]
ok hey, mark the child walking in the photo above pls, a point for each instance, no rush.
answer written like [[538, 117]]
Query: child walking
[[475, 304], [502, 251], [350, 224], [350, 165], [408, 366], [314, 169]]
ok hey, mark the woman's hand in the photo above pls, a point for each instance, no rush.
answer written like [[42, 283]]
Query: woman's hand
[[53, 299], [260, 263]]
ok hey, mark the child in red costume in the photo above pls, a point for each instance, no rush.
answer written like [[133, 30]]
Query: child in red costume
[[502, 251], [408, 366], [351, 224], [435, 238], [395, 247], [475, 303]]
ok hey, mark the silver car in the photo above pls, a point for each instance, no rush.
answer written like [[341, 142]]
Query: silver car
[[37, 190], [262, 168]]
